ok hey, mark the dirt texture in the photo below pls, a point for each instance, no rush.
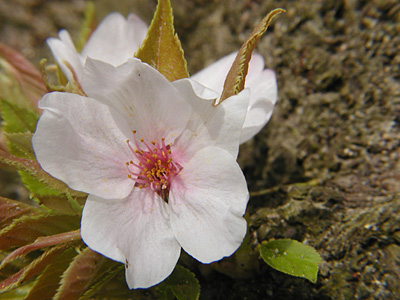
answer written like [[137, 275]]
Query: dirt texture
[[326, 168]]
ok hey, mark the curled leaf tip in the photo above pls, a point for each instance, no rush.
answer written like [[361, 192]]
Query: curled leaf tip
[[235, 80]]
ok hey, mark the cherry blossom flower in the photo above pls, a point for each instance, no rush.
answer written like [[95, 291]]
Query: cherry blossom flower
[[260, 81], [117, 39], [114, 41], [158, 162]]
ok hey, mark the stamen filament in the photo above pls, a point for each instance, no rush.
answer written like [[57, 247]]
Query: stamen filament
[[153, 167]]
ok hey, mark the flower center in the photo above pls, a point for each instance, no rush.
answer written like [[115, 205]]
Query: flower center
[[153, 167]]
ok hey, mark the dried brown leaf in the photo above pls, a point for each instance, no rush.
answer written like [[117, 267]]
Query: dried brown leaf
[[235, 80]]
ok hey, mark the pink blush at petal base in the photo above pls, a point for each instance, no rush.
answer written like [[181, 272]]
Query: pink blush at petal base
[[153, 166]]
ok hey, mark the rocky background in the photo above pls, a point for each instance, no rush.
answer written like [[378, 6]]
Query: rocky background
[[326, 169]]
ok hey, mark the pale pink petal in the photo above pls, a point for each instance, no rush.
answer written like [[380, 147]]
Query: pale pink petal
[[210, 125], [262, 84], [207, 203], [153, 106], [264, 93], [63, 50], [115, 39], [134, 231], [79, 142]]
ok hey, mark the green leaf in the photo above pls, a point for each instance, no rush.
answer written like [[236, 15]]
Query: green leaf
[[181, 283], [37, 187], [16, 119], [161, 48], [33, 169], [55, 200], [34, 268], [48, 282], [86, 268], [11, 209], [26, 229], [235, 80], [291, 257], [18, 126], [20, 144]]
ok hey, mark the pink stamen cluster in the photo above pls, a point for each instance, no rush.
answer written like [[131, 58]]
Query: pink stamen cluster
[[153, 166]]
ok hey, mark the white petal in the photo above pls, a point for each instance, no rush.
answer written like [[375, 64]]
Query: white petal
[[154, 108], [262, 84], [213, 76], [134, 231], [211, 126], [115, 39], [207, 201], [264, 93], [63, 49], [79, 142]]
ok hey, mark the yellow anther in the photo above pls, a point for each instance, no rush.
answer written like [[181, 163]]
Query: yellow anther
[[129, 176], [127, 163], [142, 140], [133, 131]]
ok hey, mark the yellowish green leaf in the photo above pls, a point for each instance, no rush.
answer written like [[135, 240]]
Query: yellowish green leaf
[[17, 119], [161, 48], [87, 25], [34, 170], [17, 294], [20, 144], [235, 80], [62, 204]]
